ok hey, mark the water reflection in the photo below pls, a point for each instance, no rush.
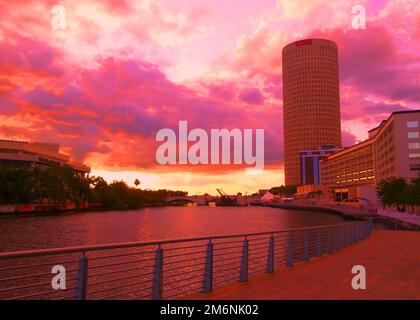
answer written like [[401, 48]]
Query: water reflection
[[61, 230]]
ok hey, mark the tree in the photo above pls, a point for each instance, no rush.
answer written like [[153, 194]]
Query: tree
[[390, 191], [290, 190], [137, 182], [411, 194]]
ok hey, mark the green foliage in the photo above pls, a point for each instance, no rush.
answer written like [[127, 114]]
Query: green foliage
[[396, 191], [289, 190], [53, 185], [60, 185], [118, 195]]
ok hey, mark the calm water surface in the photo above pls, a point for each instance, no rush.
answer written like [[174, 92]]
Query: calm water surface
[[73, 229]]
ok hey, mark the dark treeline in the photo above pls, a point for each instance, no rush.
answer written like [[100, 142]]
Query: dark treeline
[[289, 190], [60, 185], [397, 192]]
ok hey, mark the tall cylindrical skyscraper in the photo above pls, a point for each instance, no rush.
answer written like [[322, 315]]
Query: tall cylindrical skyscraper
[[311, 101]]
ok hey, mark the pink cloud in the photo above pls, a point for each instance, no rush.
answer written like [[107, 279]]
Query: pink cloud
[[102, 88]]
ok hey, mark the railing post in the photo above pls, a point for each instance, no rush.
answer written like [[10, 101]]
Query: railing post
[[346, 236], [158, 275], [243, 275], [337, 238], [330, 240], [82, 277], [270, 256], [306, 246], [370, 225], [351, 238], [362, 231], [208, 269], [318, 243], [289, 258]]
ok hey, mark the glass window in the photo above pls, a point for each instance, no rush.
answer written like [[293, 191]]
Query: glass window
[[414, 145], [412, 124], [414, 155], [413, 134]]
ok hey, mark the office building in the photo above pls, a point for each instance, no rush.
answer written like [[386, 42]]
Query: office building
[[311, 105], [309, 163], [392, 150]]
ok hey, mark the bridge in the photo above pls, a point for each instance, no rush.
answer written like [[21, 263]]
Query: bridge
[[205, 199], [170, 268], [198, 199]]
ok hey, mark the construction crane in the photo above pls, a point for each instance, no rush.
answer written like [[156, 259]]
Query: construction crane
[[225, 200], [222, 193]]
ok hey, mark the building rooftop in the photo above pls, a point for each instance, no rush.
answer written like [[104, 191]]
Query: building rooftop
[[33, 151], [389, 117]]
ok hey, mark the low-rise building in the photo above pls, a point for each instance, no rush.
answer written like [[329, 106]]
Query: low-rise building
[[37, 155], [309, 163], [396, 143], [352, 167], [392, 150]]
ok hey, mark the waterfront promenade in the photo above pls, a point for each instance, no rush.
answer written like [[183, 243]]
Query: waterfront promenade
[[391, 259], [400, 216]]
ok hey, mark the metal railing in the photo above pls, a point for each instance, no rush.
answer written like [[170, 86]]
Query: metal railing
[[167, 269], [410, 223]]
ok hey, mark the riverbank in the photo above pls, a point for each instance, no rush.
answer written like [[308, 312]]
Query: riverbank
[[27, 209], [396, 221], [326, 209]]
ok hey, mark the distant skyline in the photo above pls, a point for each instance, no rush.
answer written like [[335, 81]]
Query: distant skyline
[[121, 70]]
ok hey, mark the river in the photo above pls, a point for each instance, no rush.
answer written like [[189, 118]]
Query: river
[[26, 232]]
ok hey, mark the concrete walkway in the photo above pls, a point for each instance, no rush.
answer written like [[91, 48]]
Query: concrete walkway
[[391, 259], [402, 216]]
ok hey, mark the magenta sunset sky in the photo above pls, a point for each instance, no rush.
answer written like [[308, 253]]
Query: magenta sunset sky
[[122, 70]]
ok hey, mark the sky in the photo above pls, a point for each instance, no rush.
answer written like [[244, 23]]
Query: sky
[[116, 72]]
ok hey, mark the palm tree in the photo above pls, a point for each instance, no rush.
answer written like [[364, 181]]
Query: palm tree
[[137, 182]]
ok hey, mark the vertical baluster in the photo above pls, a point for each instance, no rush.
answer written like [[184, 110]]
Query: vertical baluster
[[82, 277], [306, 246], [346, 236], [290, 251], [330, 240], [370, 225], [243, 275], [157, 288], [336, 238], [318, 243], [270, 256], [208, 269]]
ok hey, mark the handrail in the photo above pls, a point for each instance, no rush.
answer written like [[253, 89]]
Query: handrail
[[158, 275], [74, 249]]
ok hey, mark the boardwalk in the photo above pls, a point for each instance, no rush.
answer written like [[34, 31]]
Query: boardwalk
[[391, 259], [405, 217]]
